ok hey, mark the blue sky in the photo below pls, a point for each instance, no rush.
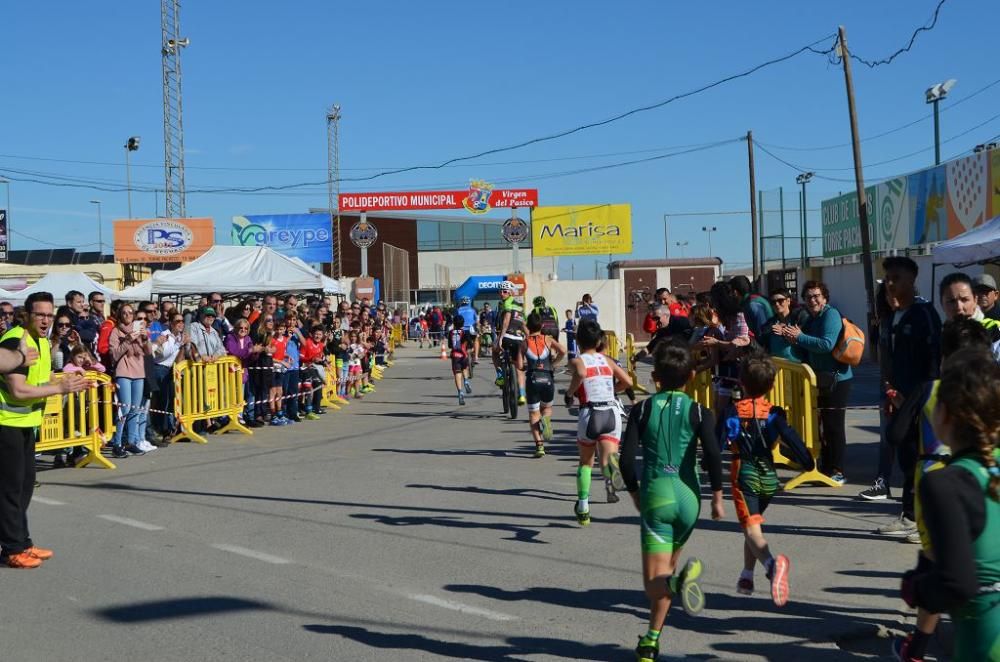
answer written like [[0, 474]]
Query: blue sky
[[423, 82]]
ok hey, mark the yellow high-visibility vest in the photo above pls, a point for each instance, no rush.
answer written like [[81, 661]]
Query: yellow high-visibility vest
[[26, 413]]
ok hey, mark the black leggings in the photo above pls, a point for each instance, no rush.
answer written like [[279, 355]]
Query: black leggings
[[832, 428]]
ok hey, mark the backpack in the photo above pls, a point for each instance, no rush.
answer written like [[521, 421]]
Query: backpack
[[850, 345]]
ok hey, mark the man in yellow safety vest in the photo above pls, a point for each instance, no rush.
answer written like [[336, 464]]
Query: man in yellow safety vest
[[23, 390]]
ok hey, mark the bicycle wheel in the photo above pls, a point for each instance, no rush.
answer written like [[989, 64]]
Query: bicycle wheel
[[511, 388], [503, 389]]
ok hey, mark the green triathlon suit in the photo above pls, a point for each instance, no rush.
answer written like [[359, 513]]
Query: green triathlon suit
[[666, 425], [964, 580]]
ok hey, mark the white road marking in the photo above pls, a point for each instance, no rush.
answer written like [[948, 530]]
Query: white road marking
[[458, 606], [47, 502], [131, 522], [260, 556]]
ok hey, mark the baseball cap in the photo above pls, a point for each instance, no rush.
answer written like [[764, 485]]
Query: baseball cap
[[984, 281], [208, 311]]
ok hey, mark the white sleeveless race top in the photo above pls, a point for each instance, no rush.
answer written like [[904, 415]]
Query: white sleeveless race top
[[599, 384]]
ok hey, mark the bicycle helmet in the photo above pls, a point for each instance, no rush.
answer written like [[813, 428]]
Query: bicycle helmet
[[507, 286], [539, 302], [465, 301]]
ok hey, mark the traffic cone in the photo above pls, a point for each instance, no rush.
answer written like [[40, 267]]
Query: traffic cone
[[444, 353]]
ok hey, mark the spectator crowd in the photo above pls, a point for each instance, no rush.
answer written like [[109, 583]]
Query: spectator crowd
[[286, 347]]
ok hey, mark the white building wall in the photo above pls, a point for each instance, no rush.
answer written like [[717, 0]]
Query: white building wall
[[457, 266], [609, 296]]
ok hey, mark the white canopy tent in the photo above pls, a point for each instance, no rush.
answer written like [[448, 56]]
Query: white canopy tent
[[141, 292], [236, 269], [981, 244], [330, 286], [58, 284]]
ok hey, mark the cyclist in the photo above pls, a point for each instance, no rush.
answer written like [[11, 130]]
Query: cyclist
[[486, 328], [549, 317], [510, 332], [469, 319], [541, 353]]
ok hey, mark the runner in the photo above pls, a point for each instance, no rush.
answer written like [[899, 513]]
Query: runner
[[595, 380], [753, 428], [510, 332], [470, 318], [486, 329], [458, 343], [541, 354], [668, 498], [914, 420], [548, 315], [961, 510]]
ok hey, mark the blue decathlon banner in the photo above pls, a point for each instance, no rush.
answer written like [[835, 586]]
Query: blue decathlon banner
[[305, 236]]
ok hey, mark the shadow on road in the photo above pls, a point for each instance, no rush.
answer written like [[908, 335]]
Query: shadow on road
[[546, 495], [160, 610], [519, 533]]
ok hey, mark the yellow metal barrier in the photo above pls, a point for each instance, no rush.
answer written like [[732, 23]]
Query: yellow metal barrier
[[794, 391], [612, 346], [206, 390], [630, 363], [80, 420]]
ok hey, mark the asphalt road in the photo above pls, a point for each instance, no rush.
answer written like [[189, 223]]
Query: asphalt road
[[406, 527]]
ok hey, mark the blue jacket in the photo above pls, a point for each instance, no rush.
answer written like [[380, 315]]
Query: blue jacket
[[470, 316], [818, 338]]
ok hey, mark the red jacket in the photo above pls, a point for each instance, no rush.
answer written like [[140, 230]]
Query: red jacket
[[103, 344], [312, 352]]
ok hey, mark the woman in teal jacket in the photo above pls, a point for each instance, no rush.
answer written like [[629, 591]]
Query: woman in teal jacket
[[817, 338]]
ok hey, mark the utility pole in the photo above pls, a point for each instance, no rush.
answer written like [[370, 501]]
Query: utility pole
[[131, 145], [753, 211], [866, 243], [173, 109], [333, 184], [803, 179]]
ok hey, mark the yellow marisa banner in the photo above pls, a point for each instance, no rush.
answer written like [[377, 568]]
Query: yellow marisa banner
[[581, 230]]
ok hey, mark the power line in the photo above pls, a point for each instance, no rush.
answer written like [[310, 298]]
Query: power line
[[913, 38]]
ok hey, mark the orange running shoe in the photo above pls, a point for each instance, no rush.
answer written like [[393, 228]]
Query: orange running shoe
[[40, 553], [779, 580], [23, 560]]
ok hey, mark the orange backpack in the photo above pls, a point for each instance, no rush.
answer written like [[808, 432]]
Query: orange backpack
[[850, 345]]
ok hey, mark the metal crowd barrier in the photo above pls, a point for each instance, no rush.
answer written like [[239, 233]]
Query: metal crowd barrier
[[80, 420], [794, 391], [630, 364], [206, 390], [612, 346]]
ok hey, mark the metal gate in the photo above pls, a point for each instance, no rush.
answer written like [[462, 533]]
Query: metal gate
[[396, 273]]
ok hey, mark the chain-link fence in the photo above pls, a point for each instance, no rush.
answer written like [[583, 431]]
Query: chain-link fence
[[782, 240]]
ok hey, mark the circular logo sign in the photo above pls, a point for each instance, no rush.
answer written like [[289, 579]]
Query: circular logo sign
[[515, 230], [163, 238], [363, 235]]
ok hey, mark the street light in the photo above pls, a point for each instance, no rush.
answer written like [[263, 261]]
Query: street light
[[934, 94], [100, 236], [804, 179], [709, 229], [131, 145], [681, 245]]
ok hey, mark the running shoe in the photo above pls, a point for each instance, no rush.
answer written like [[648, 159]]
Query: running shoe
[[499, 380], [779, 580], [647, 650], [546, 428], [22, 561], [613, 472], [609, 490], [879, 491], [838, 478], [521, 400], [278, 421], [901, 649], [118, 452], [582, 516], [692, 597], [312, 416], [744, 586], [461, 399], [900, 527], [913, 538], [134, 450], [539, 450], [468, 387], [40, 553]]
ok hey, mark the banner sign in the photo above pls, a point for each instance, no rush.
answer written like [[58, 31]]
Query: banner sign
[[581, 230], [155, 240], [479, 198], [308, 237], [924, 207], [3, 235]]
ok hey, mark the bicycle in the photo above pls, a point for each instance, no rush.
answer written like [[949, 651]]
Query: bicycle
[[508, 392]]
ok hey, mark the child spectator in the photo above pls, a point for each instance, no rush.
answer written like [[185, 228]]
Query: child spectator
[[570, 334]]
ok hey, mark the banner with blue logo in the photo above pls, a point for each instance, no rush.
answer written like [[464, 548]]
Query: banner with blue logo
[[305, 236]]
